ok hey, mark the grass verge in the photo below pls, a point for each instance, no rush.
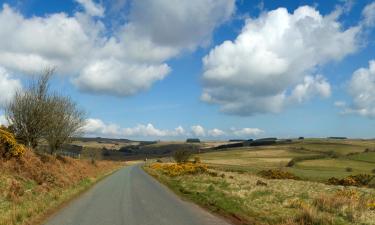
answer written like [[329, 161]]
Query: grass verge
[[33, 187], [248, 199]]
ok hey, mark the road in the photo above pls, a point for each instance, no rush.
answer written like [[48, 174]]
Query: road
[[132, 197]]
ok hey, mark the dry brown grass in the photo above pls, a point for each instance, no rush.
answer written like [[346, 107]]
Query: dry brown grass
[[287, 202], [33, 184]]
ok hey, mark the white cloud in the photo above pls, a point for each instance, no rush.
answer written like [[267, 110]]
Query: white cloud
[[368, 14], [180, 131], [96, 127], [105, 75], [198, 131], [310, 87], [99, 128], [246, 132], [340, 104], [215, 132], [275, 54], [3, 120], [362, 89], [177, 23], [92, 8], [121, 60], [8, 87]]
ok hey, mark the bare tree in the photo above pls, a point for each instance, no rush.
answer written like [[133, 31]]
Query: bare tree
[[66, 121], [27, 113], [36, 114]]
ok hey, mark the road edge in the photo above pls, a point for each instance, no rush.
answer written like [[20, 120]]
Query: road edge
[[41, 219], [231, 219]]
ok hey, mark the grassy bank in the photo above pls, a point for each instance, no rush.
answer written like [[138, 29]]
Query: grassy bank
[[33, 186], [248, 199]]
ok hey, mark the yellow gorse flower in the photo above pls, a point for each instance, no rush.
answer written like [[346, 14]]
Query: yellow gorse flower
[[173, 169], [10, 145]]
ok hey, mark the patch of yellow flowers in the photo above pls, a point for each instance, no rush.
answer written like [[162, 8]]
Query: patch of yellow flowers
[[9, 146], [348, 194], [174, 169], [371, 205]]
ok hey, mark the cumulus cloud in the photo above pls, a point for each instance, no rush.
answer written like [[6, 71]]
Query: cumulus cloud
[[96, 127], [92, 8], [198, 131], [8, 87], [105, 75], [272, 61], [361, 88], [99, 128], [177, 23], [246, 132], [121, 60], [311, 86], [215, 132], [368, 14]]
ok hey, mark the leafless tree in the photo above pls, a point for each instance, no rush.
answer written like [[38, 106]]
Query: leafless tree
[[36, 114], [66, 121], [27, 113]]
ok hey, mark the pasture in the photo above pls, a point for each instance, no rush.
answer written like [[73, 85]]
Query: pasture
[[315, 159]]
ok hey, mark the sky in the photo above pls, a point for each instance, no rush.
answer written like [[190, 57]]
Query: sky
[[212, 69]]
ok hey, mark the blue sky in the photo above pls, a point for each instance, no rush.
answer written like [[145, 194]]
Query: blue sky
[[211, 69]]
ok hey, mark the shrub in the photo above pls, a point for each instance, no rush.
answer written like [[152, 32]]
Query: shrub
[[261, 183], [369, 150], [349, 169], [197, 159], [213, 174], [277, 174], [373, 171], [352, 180], [8, 145], [333, 154], [173, 169], [372, 183], [291, 163], [182, 156]]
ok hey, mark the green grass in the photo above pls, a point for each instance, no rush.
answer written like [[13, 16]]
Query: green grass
[[238, 197], [254, 159], [364, 157]]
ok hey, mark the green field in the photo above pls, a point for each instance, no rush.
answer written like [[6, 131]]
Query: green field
[[332, 158], [231, 185]]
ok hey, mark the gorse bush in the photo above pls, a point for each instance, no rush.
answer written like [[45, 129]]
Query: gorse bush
[[352, 180], [8, 145], [277, 174], [173, 169]]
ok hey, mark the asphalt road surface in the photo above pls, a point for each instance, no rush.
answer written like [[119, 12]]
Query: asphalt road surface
[[132, 197]]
